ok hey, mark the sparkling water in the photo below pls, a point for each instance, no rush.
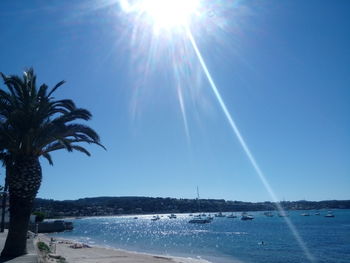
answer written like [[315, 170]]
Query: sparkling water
[[264, 239]]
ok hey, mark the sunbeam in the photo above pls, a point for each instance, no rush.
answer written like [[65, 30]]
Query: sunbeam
[[183, 112], [245, 146]]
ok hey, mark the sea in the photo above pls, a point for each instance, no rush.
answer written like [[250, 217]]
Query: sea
[[263, 239]]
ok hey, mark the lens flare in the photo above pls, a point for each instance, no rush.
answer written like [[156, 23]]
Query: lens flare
[[163, 14], [246, 149], [183, 112], [172, 15]]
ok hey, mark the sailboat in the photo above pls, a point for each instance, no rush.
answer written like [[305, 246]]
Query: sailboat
[[200, 219]]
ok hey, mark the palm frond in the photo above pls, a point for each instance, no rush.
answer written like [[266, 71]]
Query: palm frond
[[66, 104], [74, 115], [47, 156], [73, 129], [32, 122], [81, 149], [56, 87], [42, 91]]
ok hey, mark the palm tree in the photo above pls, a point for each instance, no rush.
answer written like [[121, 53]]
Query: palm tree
[[34, 124], [6, 162]]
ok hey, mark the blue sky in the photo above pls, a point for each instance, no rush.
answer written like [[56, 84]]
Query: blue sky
[[282, 67]]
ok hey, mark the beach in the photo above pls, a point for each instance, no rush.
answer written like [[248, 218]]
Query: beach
[[92, 254]]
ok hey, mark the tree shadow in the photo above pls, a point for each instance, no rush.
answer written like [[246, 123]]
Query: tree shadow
[[6, 259], [20, 259]]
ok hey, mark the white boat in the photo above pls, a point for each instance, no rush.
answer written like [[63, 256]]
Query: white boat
[[305, 214], [231, 216], [172, 216], [245, 216], [329, 214], [283, 214], [268, 214], [219, 215], [201, 218], [155, 218]]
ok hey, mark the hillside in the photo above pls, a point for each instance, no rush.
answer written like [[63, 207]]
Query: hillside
[[101, 206]]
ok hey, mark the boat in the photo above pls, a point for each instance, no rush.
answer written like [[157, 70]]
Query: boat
[[201, 218], [135, 217], [329, 214], [305, 214], [155, 218], [231, 216], [245, 216], [283, 214], [268, 214], [219, 215], [172, 216], [317, 213]]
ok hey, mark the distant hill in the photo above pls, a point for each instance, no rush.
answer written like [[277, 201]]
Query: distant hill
[[102, 206]]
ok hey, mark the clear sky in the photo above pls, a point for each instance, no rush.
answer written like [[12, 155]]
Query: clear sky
[[282, 68]]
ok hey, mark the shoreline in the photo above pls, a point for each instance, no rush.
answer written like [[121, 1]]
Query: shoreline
[[89, 254]]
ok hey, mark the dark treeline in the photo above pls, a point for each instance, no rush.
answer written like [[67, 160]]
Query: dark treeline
[[99, 206]]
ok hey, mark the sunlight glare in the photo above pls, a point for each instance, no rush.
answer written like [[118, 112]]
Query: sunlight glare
[[167, 14], [171, 15], [249, 154]]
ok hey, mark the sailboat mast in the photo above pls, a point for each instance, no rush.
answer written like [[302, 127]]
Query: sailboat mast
[[198, 201]]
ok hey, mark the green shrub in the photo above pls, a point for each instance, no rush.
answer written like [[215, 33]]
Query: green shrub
[[43, 247], [40, 216]]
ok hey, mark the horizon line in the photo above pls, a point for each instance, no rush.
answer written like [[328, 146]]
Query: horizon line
[[133, 196]]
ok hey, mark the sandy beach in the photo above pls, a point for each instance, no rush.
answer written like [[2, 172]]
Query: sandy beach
[[84, 254]]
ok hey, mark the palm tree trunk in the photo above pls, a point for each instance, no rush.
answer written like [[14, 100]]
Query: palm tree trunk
[[24, 182], [3, 205]]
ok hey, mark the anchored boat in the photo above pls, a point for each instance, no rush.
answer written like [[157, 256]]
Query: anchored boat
[[245, 216]]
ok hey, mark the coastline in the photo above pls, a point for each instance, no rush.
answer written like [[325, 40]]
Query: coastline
[[88, 254]]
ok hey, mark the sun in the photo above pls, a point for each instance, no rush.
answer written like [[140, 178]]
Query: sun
[[165, 14], [170, 13]]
